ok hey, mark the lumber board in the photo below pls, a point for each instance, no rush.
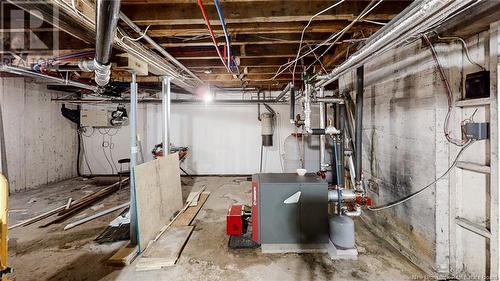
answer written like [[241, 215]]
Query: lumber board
[[159, 195], [166, 250], [124, 256], [193, 198], [85, 202], [190, 213]]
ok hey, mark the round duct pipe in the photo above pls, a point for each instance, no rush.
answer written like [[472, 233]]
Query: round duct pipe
[[266, 123]]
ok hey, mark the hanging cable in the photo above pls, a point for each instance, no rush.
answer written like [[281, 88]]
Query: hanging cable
[[212, 34], [464, 46], [283, 67], [365, 12], [138, 38], [304, 30], [404, 199], [449, 95]]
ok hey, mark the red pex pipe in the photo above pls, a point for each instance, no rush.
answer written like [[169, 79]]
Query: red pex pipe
[[207, 22]]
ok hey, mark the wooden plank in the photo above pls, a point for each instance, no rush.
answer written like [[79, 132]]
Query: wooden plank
[[166, 250], [159, 196], [473, 167], [473, 102], [474, 227], [190, 213], [124, 256], [193, 198]]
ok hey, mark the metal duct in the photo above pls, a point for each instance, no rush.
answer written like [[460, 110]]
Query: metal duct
[[107, 15], [417, 18], [283, 93], [57, 80]]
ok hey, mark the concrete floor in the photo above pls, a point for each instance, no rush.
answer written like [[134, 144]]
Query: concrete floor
[[54, 254]]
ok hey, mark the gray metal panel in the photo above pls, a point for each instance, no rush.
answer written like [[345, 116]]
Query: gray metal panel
[[301, 223], [314, 213], [279, 222], [289, 178]]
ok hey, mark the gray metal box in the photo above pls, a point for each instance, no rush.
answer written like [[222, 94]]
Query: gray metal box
[[302, 222]]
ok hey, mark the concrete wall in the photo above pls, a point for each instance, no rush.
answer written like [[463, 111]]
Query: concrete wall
[[405, 148], [223, 139], [40, 142]]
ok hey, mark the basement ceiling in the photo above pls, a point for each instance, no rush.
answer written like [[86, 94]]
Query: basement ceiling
[[265, 36]]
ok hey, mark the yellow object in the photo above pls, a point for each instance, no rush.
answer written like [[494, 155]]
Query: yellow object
[[4, 196]]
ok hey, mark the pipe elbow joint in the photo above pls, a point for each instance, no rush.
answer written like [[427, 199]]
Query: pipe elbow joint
[[102, 73]]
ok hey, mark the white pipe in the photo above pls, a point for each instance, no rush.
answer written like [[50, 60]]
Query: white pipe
[[356, 213], [322, 165], [307, 109], [352, 171], [414, 20], [95, 216], [165, 105], [346, 195]]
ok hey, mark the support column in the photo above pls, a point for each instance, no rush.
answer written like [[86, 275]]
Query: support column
[[165, 106], [133, 162], [322, 164]]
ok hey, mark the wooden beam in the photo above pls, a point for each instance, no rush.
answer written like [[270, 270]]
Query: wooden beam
[[251, 12], [251, 51], [260, 28], [254, 62]]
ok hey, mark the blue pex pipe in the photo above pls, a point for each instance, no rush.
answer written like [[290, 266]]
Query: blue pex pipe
[[224, 28]]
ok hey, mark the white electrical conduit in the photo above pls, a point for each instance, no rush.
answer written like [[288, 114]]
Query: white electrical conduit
[[160, 49], [57, 80], [139, 51], [414, 20]]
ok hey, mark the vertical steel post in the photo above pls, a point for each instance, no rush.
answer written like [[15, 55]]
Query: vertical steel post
[[292, 104], [4, 198], [322, 165], [165, 105], [341, 144], [359, 121], [133, 161]]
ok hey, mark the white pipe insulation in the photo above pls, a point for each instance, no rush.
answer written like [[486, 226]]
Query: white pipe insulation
[[414, 20]]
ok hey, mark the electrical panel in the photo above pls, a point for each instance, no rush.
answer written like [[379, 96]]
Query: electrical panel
[[477, 85], [103, 116], [477, 131]]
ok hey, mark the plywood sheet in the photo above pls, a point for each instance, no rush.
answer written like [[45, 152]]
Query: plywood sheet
[[166, 250], [159, 196]]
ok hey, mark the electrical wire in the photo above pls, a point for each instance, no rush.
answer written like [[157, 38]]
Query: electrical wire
[[414, 194], [372, 5], [212, 34], [304, 30], [449, 95], [464, 46], [224, 29], [135, 39], [283, 67]]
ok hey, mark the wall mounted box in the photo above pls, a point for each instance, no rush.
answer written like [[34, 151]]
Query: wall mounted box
[[477, 131], [477, 85]]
